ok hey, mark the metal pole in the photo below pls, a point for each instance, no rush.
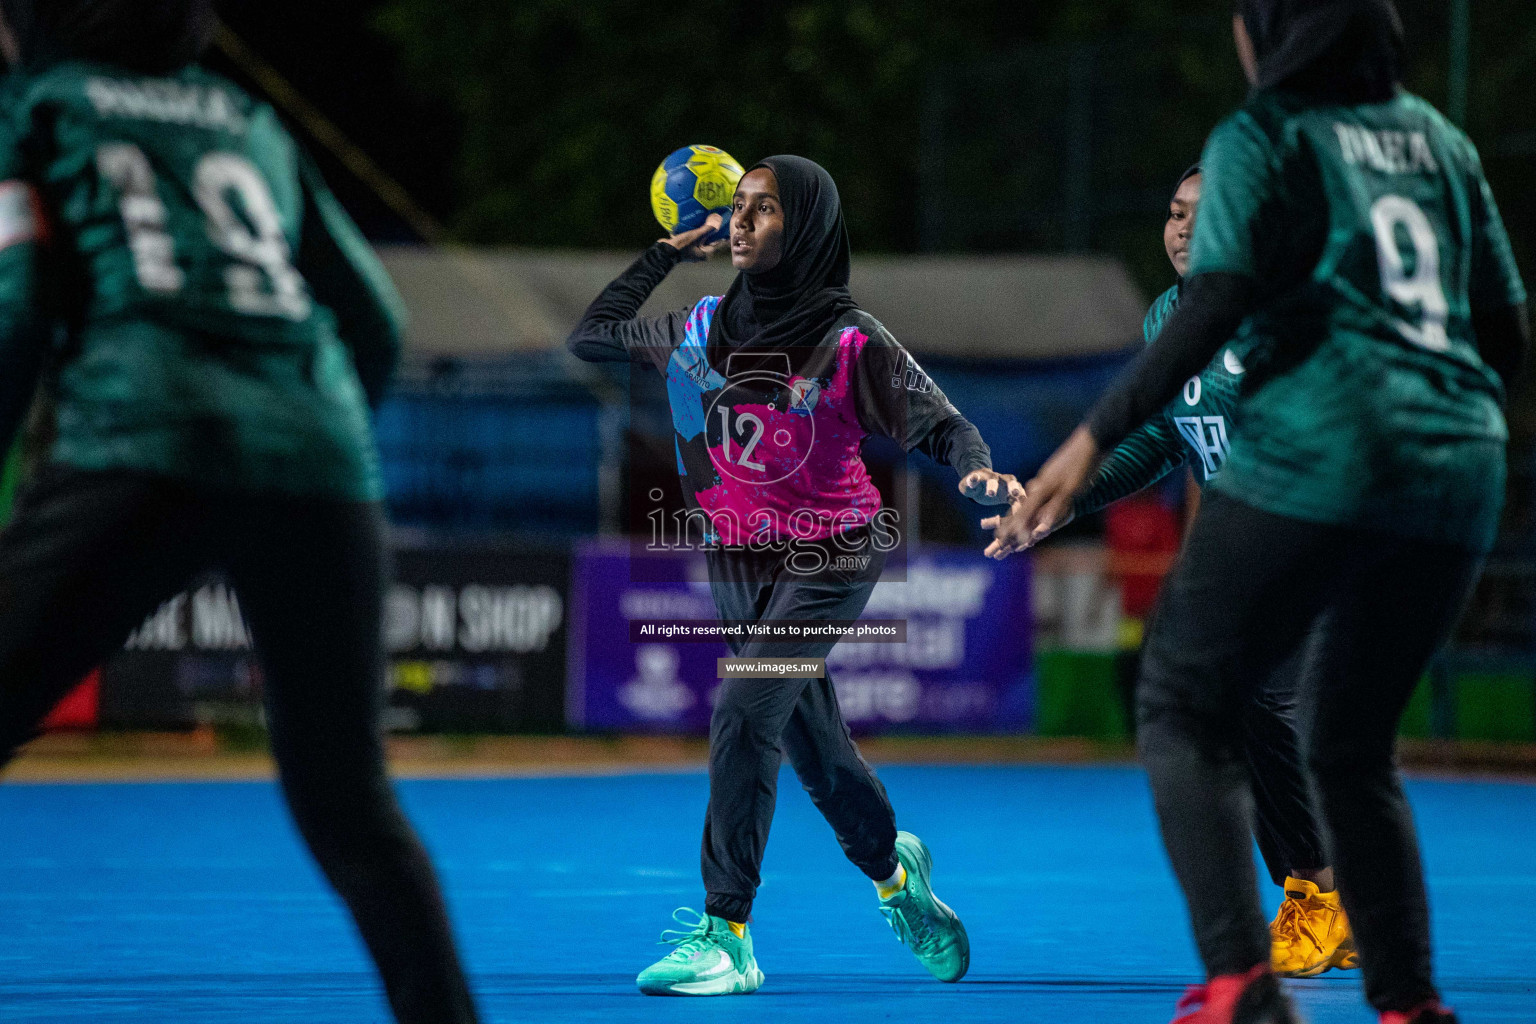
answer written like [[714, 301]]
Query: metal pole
[[1461, 44], [612, 419], [10, 479]]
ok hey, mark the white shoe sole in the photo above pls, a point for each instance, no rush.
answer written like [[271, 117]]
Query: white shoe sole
[[732, 983]]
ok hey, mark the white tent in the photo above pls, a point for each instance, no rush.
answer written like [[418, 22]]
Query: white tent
[[481, 303]]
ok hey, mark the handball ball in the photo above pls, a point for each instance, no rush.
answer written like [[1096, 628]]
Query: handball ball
[[693, 183]]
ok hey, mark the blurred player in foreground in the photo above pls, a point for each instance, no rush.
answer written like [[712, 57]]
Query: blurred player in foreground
[[1310, 933], [795, 535], [1347, 228], [212, 327]]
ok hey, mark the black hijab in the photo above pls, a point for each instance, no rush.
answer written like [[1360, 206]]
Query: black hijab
[[1347, 51], [149, 36], [797, 302], [1194, 169]]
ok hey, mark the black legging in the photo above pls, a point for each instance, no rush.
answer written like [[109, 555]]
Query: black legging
[[89, 555], [1249, 590]]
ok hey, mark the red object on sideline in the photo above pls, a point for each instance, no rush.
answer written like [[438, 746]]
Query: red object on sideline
[[78, 708], [1143, 537]]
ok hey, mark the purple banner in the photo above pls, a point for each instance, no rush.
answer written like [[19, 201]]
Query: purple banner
[[967, 665]]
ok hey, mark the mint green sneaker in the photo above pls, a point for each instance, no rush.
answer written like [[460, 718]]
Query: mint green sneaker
[[921, 921], [709, 960]]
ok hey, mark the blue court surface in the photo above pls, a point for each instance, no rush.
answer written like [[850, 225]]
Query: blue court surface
[[194, 903]]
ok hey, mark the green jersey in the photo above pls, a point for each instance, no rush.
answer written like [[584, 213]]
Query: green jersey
[[1194, 428], [219, 304], [1370, 234]]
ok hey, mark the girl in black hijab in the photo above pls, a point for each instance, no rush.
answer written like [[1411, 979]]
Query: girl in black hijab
[[773, 389], [1344, 51], [1362, 487], [805, 293]]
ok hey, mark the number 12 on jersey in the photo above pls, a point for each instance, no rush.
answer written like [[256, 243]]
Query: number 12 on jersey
[[749, 422]]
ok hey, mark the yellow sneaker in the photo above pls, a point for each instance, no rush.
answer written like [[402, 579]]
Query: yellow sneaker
[[1310, 934]]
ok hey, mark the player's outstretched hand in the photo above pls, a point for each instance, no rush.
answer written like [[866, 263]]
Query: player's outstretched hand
[[690, 242], [1046, 504], [988, 487], [1011, 533]]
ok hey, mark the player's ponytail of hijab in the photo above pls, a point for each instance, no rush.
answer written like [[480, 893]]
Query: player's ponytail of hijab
[[796, 303], [150, 36], [1348, 51]]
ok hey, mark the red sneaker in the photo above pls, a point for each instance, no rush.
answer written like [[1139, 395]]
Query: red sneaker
[[1432, 1012], [1251, 998]]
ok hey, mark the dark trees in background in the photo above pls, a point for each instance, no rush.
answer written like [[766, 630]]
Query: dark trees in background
[[332, 54], [949, 124], [566, 106]]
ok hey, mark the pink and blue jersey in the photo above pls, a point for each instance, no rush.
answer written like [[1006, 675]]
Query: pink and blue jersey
[[769, 444], [766, 452]]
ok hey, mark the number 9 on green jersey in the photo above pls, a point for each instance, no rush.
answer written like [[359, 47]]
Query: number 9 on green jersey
[[1370, 235]]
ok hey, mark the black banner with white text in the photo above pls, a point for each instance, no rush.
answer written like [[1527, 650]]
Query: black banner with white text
[[476, 637]]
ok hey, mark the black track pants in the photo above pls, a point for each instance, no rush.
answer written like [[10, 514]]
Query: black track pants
[[1251, 589], [756, 722], [89, 555]]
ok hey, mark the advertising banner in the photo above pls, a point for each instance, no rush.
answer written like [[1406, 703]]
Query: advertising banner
[[476, 637], [965, 665]]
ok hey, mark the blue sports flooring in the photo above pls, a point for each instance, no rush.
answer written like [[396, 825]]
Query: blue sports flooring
[[195, 903]]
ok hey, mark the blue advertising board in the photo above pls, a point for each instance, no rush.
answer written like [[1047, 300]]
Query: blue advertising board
[[965, 665]]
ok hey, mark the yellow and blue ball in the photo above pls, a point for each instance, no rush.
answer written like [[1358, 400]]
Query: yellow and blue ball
[[691, 184]]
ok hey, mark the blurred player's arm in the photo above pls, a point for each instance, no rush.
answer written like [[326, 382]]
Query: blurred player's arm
[[348, 278], [25, 326], [895, 398], [1151, 452], [1212, 309], [1498, 297], [1213, 306]]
